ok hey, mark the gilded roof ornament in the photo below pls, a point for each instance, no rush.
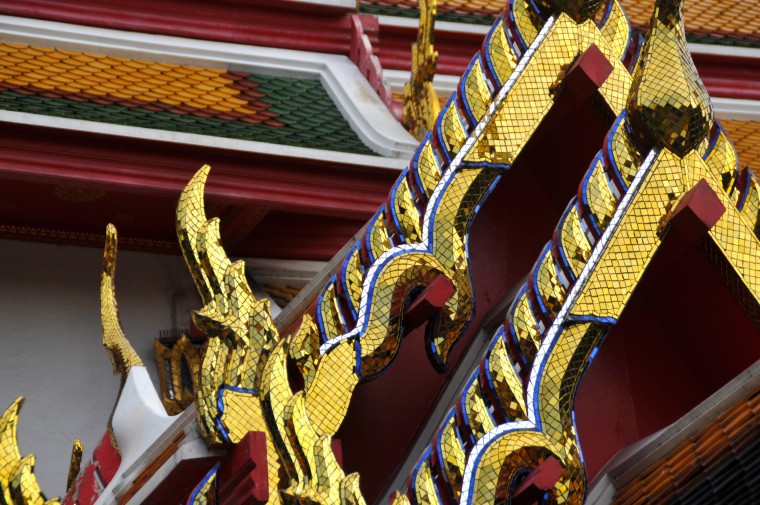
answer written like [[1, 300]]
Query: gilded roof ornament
[[122, 354], [421, 105], [579, 10], [18, 484], [668, 105]]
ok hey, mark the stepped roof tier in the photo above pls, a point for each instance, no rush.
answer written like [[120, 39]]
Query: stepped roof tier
[[552, 297]]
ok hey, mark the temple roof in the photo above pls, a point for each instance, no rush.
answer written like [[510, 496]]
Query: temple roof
[[746, 138], [182, 98], [717, 462], [706, 20]]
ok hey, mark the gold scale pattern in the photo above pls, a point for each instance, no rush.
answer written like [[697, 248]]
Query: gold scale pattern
[[120, 351], [18, 485], [301, 424], [745, 136], [505, 452], [178, 368], [421, 106], [243, 369], [205, 492]]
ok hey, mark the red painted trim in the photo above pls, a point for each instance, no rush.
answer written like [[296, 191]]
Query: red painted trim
[[455, 49], [364, 42], [107, 457], [541, 480], [151, 167], [429, 301], [180, 482], [242, 477], [271, 23]]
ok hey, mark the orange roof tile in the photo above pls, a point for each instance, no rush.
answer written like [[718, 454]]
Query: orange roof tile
[[117, 79], [697, 460], [746, 138]]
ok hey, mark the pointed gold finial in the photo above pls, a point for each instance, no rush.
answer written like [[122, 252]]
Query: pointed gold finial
[[668, 105], [18, 483], [75, 465], [579, 10], [122, 354], [421, 106]]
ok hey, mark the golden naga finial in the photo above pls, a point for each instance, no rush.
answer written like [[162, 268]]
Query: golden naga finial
[[75, 464], [578, 10], [18, 484], [123, 356], [421, 105], [668, 105]]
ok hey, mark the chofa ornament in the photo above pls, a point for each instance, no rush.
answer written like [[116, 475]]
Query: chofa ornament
[[516, 411]]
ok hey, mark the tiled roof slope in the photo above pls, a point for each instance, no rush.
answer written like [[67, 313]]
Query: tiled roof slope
[[719, 464], [710, 21], [745, 136], [183, 98]]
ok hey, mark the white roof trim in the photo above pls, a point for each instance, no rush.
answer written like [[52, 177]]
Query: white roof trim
[[732, 108], [355, 98], [440, 26], [725, 50], [444, 84], [346, 4], [196, 139]]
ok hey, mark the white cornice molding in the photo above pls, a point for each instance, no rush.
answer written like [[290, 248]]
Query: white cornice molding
[[353, 95], [196, 139], [444, 84], [345, 4], [440, 26], [725, 50], [733, 108]]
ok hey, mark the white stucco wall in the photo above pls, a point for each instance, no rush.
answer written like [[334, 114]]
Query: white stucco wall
[[50, 340]]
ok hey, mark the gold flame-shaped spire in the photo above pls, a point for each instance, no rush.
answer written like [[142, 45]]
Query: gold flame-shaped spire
[[668, 105], [122, 354], [18, 483], [579, 10]]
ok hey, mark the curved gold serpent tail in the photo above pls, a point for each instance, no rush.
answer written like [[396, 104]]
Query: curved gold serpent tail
[[191, 223], [240, 330], [421, 105], [120, 351], [18, 484]]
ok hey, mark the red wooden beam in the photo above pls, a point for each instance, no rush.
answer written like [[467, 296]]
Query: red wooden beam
[[181, 481], [538, 483], [238, 223], [242, 477], [271, 23], [140, 166], [428, 302]]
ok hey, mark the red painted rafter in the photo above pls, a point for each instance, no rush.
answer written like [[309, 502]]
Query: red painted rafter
[[150, 167], [271, 23]]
